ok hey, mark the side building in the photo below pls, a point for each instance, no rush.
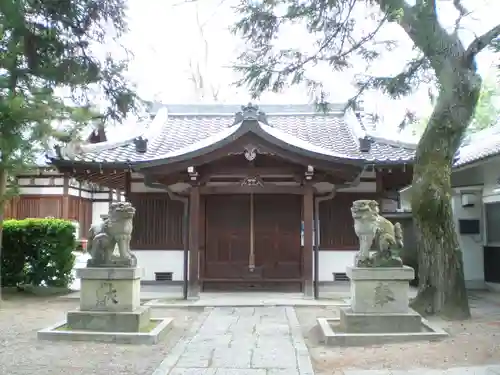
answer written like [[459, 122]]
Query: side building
[[236, 198], [44, 191]]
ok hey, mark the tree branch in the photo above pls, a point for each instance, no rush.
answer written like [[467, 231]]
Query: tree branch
[[481, 42], [422, 26], [463, 12]]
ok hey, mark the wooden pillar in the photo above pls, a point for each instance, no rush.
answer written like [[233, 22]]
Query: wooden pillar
[[128, 185], [379, 178], [65, 199], [194, 242], [14, 207], [307, 260]]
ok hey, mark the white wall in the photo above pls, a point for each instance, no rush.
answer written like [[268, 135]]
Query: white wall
[[98, 209], [173, 260], [161, 261], [331, 261], [471, 245]]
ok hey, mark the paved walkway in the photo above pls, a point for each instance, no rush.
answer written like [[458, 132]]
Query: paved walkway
[[475, 370], [241, 341]]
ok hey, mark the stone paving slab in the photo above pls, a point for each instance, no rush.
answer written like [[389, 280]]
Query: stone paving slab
[[474, 370], [241, 341]]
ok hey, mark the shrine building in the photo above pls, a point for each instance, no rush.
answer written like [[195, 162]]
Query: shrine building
[[238, 198]]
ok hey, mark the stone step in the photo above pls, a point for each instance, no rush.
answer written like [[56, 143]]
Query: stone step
[[351, 322]]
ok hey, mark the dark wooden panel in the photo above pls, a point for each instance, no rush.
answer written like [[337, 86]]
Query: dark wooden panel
[[8, 211], [80, 209], [336, 223], [227, 244], [38, 206], [277, 236], [157, 222], [492, 264]]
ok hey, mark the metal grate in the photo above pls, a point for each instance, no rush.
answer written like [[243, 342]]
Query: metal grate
[[340, 276], [163, 276]]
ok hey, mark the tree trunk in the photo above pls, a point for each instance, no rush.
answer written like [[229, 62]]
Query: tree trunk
[[442, 285], [3, 194]]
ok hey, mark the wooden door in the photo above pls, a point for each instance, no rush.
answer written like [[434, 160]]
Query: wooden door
[[227, 245], [277, 248], [277, 222]]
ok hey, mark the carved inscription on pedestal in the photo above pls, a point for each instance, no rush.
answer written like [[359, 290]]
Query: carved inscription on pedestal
[[383, 294], [105, 295]]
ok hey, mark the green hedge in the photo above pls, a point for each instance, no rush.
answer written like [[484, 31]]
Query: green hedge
[[37, 252]]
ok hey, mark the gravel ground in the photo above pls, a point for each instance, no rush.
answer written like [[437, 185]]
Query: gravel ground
[[474, 342], [21, 353]]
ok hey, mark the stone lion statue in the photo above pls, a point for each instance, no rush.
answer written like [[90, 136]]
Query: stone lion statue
[[378, 233], [115, 229]]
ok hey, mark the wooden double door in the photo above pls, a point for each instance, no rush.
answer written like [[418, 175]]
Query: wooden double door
[[253, 242]]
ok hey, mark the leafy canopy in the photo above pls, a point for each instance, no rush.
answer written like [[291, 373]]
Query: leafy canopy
[[47, 46], [343, 33]]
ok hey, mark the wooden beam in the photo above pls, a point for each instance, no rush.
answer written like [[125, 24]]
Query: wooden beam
[[194, 243], [307, 255], [266, 189], [215, 171]]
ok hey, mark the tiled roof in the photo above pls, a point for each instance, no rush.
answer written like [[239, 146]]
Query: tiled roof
[[187, 125], [479, 146]]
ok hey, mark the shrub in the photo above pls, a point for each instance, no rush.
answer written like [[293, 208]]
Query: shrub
[[38, 252]]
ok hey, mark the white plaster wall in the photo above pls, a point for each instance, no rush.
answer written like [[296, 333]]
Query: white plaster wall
[[331, 261], [161, 261], [471, 245], [41, 181], [172, 261], [98, 209], [49, 190]]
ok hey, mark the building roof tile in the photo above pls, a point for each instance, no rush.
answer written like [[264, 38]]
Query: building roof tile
[[178, 127], [479, 146]]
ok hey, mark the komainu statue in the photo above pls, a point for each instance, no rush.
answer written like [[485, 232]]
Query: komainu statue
[[115, 229], [376, 233]]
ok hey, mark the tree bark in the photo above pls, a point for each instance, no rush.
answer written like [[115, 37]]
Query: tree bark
[[442, 285]]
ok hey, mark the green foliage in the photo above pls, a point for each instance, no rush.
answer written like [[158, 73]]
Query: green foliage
[[342, 32], [487, 112], [488, 108], [46, 46], [38, 252]]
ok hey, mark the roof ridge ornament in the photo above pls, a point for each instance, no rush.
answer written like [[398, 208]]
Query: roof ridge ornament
[[365, 143], [141, 145], [250, 112]]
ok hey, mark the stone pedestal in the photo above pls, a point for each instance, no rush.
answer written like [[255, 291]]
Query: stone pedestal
[[379, 301], [110, 301], [380, 289]]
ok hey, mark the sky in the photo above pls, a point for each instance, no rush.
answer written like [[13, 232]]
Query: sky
[[164, 38]]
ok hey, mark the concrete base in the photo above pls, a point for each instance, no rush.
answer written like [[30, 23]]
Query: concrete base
[[110, 321], [380, 290], [332, 335], [351, 322], [140, 338]]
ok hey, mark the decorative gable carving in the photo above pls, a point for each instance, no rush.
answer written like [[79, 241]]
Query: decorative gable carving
[[254, 181]]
